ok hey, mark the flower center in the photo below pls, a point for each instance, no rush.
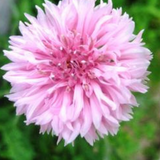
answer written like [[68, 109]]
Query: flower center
[[73, 66], [72, 59]]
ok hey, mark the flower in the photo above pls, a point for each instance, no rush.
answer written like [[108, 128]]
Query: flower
[[74, 69]]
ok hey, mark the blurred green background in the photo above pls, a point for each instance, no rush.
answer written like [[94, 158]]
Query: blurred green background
[[138, 139]]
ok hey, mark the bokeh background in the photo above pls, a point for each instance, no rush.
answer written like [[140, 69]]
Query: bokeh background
[[138, 139]]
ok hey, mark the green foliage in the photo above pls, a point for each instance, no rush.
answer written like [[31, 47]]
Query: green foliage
[[136, 140]]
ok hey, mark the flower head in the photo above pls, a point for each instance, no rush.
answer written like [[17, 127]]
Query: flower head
[[74, 69]]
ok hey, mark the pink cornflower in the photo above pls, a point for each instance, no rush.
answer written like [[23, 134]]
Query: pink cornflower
[[74, 69]]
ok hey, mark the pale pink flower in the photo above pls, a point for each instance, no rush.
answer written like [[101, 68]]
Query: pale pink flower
[[74, 69]]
